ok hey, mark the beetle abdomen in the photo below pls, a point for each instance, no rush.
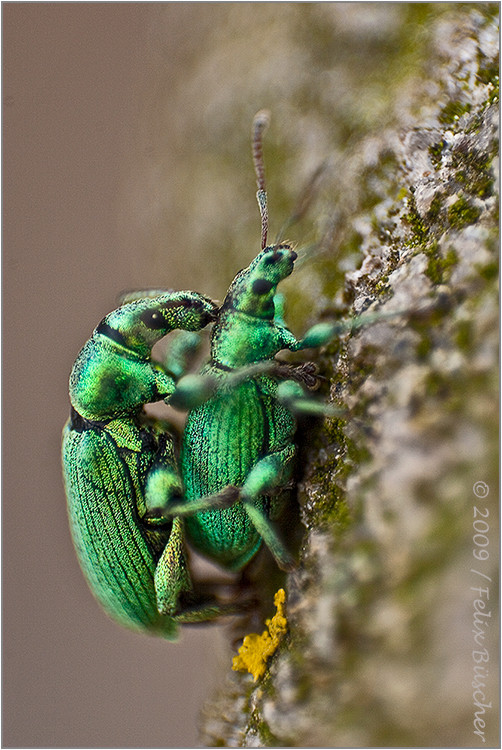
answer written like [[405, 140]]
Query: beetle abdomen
[[225, 436], [115, 557]]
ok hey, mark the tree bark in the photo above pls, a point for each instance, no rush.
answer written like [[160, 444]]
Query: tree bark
[[392, 612]]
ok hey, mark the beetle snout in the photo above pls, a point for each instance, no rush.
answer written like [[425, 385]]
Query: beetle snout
[[206, 307]]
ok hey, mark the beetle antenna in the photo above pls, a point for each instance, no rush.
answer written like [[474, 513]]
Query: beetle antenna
[[261, 121]]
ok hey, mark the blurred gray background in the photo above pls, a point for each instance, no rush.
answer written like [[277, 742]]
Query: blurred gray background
[[127, 164], [75, 77]]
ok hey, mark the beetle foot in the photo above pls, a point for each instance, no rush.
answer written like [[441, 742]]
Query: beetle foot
[[306, 374], [287, 563]]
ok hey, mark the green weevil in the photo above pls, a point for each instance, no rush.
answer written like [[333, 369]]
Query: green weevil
[[243, 434], [113, 456], [130, 513]]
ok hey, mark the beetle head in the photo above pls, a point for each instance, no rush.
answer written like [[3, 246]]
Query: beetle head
[[252, 291], [138, 325]]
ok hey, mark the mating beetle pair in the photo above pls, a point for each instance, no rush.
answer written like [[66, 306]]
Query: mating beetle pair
[[131, 510]]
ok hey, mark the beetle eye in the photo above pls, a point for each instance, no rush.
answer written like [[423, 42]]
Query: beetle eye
[[261, 286], [273, 257], [153, 319]]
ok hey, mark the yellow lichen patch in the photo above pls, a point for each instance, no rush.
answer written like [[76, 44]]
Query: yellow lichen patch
[[257, 649]]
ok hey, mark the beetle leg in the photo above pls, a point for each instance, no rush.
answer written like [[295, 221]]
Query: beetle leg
[[322, 333], [224, 499], [164, 497], [162, 482], [205, 604], [266, 530], [305, 373], [163, 493], [174, 589], [162, 485], [292, 396], [182, 351], [172, 577], [268, 473], [193, 390]]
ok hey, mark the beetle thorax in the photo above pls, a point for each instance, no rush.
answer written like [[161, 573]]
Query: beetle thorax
[[241, 339]]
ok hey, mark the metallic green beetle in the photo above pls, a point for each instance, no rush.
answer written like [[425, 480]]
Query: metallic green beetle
[[113, 456], [129, 512], [243, 435]]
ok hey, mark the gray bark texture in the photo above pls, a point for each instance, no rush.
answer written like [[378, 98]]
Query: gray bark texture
[[392, 612]]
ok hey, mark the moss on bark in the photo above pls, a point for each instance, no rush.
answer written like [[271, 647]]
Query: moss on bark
[[381, 609]]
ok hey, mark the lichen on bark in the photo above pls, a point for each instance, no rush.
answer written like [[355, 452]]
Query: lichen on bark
[[380, 609]]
